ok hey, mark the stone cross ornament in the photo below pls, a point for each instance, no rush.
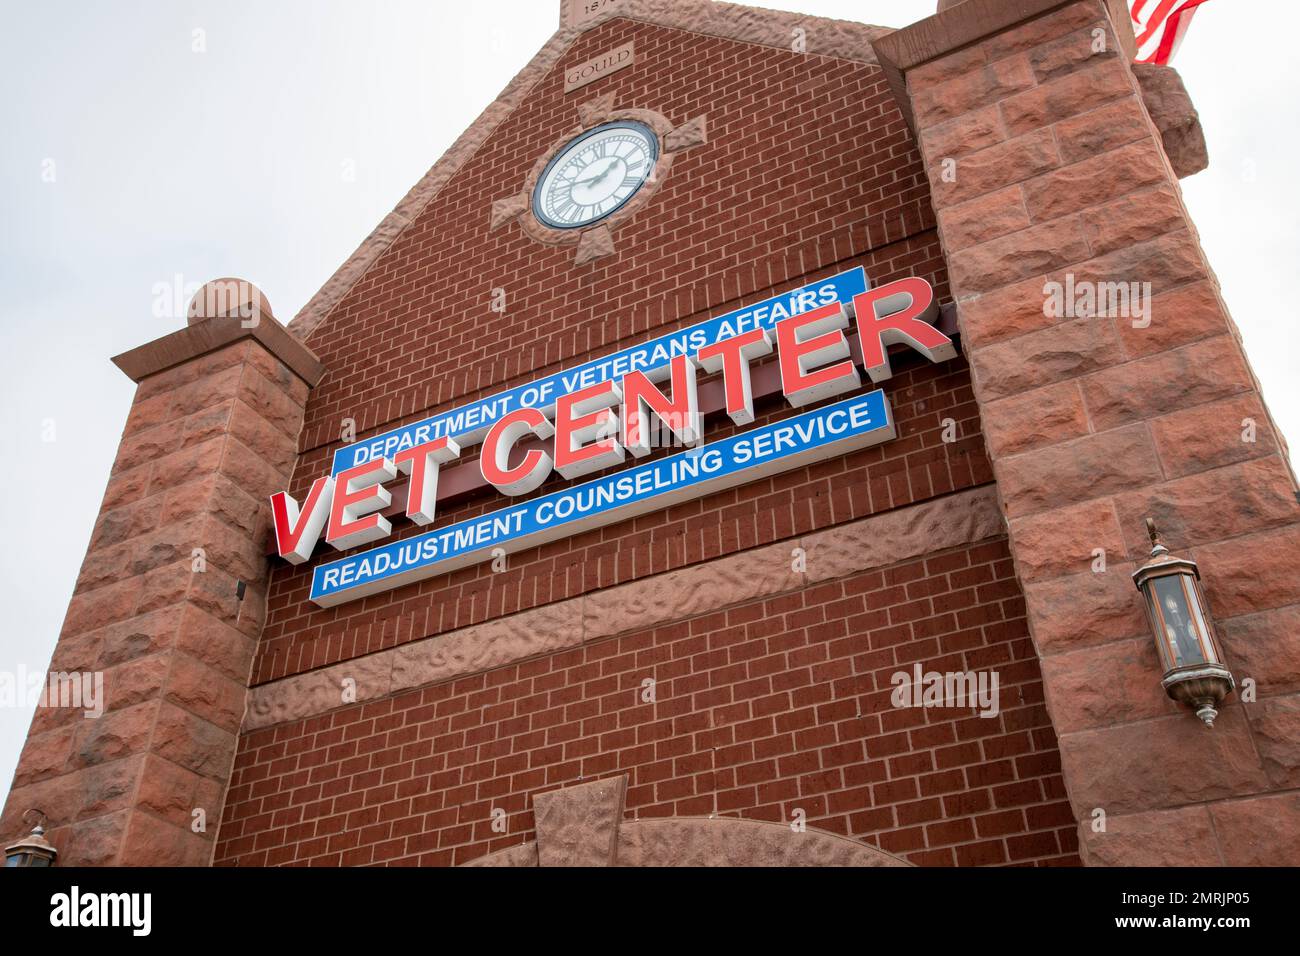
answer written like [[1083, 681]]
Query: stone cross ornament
[[597, 176]]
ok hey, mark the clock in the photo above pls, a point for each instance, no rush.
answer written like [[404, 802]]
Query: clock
[[597, 177], [595, 174]]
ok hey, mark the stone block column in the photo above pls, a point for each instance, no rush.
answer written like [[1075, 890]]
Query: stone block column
[[170, 600], [1045, 167]]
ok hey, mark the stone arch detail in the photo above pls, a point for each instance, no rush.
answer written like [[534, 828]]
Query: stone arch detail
[[583, 825]]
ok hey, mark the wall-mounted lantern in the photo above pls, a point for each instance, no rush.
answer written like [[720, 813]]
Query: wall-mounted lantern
[[1180, 621], [33, 849]]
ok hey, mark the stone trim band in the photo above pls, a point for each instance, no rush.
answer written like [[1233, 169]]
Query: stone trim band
[[947, 522]]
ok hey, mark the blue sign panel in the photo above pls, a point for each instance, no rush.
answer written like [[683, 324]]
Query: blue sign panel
[[469, 423], [812, 436]]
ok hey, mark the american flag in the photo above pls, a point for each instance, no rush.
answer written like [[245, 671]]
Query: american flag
[[1159, 26]]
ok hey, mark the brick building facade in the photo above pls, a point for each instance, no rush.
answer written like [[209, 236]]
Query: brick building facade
[[501, 714]]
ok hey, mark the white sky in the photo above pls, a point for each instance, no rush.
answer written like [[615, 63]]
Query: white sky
[[173, 167]]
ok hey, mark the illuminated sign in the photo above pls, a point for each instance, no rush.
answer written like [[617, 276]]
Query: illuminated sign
[[468, 423], [591, 417]]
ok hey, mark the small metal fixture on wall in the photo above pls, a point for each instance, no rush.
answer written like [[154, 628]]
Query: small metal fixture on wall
[[33, 849], [1180, 620]]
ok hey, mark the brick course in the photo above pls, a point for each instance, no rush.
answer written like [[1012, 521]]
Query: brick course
[[756, 714]]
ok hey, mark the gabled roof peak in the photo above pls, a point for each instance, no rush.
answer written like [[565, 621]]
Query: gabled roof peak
[[821, 36]]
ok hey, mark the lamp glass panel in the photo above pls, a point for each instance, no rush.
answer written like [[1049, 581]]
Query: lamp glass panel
[[1197, 600], [1182, 636]]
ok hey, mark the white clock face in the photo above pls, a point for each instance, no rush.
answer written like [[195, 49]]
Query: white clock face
[[595, 174]]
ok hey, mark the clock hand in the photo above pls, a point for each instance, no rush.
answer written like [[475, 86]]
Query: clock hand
[[595, 179], [591, 179]]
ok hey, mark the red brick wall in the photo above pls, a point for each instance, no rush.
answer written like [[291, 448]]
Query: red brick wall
[[809, 170], [809, 162], [756, 714]]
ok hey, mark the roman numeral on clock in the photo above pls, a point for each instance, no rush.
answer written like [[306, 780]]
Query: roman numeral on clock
[[609, 165]]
